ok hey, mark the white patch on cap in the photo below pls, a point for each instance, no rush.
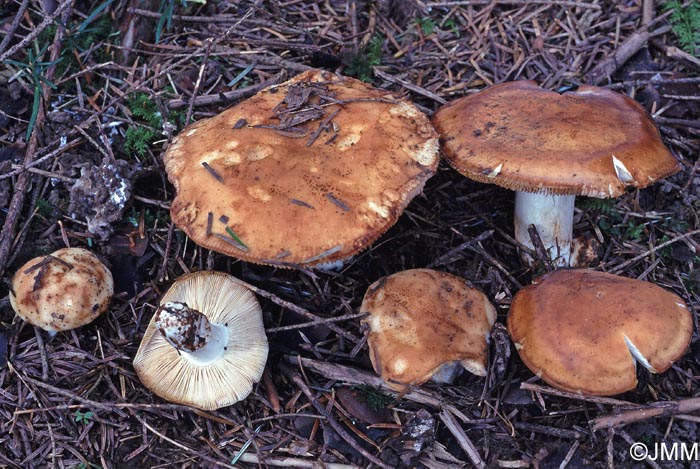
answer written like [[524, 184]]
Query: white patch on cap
[[495, 171], [622, 173], [427, 153], [232, 158], [399, 366], [638, 355], [258, 152], [378, 209], [404, 109], [351, 138], [259, 193]]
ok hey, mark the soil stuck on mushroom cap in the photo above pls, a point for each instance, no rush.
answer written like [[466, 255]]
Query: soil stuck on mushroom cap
[[592, 142], [307, 172], [64, 290], [421, 319], [583, 331]]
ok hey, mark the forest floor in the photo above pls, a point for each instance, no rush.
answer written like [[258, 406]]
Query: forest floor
[[92, 92]]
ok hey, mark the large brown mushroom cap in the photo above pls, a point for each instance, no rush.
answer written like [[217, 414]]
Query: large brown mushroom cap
[[64, 290], [225, 380], [254, 188], [578, 329], [421, 319], [525, 138]]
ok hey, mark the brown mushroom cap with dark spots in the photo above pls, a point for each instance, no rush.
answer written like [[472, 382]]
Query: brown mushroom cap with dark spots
[[583, 331], [64, 290], [551, 147], [307, 172], [525, 138], [422, 319]]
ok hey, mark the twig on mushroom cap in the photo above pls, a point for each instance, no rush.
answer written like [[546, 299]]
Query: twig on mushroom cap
[[379, 153]]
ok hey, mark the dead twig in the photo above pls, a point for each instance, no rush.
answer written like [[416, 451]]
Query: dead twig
[[13, 27], [409, 86], [650, 411], [63, 8], [20, 188], [466, 444], [284, 461], [572, 395], [232, 95], [330, 420], [627, 49], [649, 252], [356, 376]]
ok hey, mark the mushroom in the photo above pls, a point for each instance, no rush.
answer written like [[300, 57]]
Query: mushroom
[[303, 174], [584, 331], [64, 290], [205, 346], [424, 323], [550, 147]]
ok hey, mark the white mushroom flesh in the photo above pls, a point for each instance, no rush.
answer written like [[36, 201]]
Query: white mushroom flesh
[[634, 351], [553, 217], [198, 340], [622, 172]]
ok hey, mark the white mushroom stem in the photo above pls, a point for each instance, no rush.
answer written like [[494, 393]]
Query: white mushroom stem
[[201, 342], [553, 217]]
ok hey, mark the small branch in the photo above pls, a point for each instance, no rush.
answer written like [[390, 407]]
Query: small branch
[[20, 189], [650, 411], [651, 251], [283, 461], [13, 27], [331, 421], [297, 309], [318, 322], [453, 426], [407, 85], [573, 395], [227, 95], [448, 256], [350, 375], [563, 3], [622, 54], [38, 30]]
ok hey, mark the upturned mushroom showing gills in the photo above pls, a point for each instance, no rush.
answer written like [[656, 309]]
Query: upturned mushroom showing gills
[[303, 174], [426, 324], [585, 331], [67, 289], [551, 147], [205, 346]]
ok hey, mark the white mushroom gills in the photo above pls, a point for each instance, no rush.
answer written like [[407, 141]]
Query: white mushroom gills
[[197, 339], [553, 217]]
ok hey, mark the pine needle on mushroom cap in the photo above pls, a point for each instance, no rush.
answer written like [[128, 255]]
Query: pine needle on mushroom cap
[[308, 172], [226, 380]]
